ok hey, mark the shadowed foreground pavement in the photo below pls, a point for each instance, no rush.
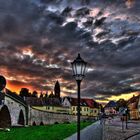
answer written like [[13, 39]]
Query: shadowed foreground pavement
[[137, 137], [92, 132]]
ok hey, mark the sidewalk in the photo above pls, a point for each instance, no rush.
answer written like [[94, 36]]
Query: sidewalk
[[113, 130], [92, 132]]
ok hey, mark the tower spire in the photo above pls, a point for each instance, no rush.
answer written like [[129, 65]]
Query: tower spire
[[57, 89]]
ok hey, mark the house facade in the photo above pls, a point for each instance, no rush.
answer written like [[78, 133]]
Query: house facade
[[72, 104], [88, 107], [134, 107], [110, 108], [68, 105], [54, 109], [138, 107]]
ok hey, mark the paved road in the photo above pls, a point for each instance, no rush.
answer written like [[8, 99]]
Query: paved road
[[92, 132]]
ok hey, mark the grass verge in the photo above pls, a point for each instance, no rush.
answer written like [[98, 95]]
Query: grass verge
[[48, 132]]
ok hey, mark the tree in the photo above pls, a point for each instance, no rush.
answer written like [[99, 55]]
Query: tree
[[24, 92], [121, 103], [46, 95], [34, 94], [51, 95], [41, 95]]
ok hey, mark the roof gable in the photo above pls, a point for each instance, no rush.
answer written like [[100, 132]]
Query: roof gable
[[111, 104]]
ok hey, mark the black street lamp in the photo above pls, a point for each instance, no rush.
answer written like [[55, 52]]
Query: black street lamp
[[79, 69]]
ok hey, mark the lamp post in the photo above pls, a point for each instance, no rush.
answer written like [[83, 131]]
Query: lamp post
[[79, 69], [126, 113]]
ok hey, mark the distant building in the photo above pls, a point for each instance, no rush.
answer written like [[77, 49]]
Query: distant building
[[110, 108], [34, 101], [53, 105], [84, 108], [88, 106], [68, 105], [134, 107], [95, 107], [52, 102], [139, 106], [57, 90]]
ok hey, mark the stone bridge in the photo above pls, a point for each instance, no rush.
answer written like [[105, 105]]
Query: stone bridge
[[15, 112]]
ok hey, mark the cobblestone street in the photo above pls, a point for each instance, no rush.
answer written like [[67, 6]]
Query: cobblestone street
[[137, 137], [113, 130]]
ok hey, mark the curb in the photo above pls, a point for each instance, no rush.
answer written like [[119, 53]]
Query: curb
[[73, 138], [132, 136]]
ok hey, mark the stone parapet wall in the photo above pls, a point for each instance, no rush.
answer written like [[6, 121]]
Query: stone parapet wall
[[38, 116]]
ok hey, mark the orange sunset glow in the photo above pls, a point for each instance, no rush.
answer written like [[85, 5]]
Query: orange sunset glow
[[39, 41], [17, 88]]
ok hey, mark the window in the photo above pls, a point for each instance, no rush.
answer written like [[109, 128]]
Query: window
[[87, 109], [73, 108], [95, 111], [84, 109]]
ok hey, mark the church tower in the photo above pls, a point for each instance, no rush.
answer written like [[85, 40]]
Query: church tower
[[57, 89]]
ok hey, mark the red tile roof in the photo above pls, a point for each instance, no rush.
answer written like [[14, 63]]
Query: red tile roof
[[74, 101], [90, 102], [83, 102]]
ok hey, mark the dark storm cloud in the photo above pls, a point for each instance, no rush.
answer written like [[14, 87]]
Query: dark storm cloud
[[38, 42], [16, 16], [116, 70]]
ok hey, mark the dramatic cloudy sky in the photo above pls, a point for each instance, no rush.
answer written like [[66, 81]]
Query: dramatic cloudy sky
[[39, 39]]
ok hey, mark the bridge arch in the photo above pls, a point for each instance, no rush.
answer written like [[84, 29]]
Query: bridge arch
[[5, 118], [41, 123], [21, 119], [34, 123]]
